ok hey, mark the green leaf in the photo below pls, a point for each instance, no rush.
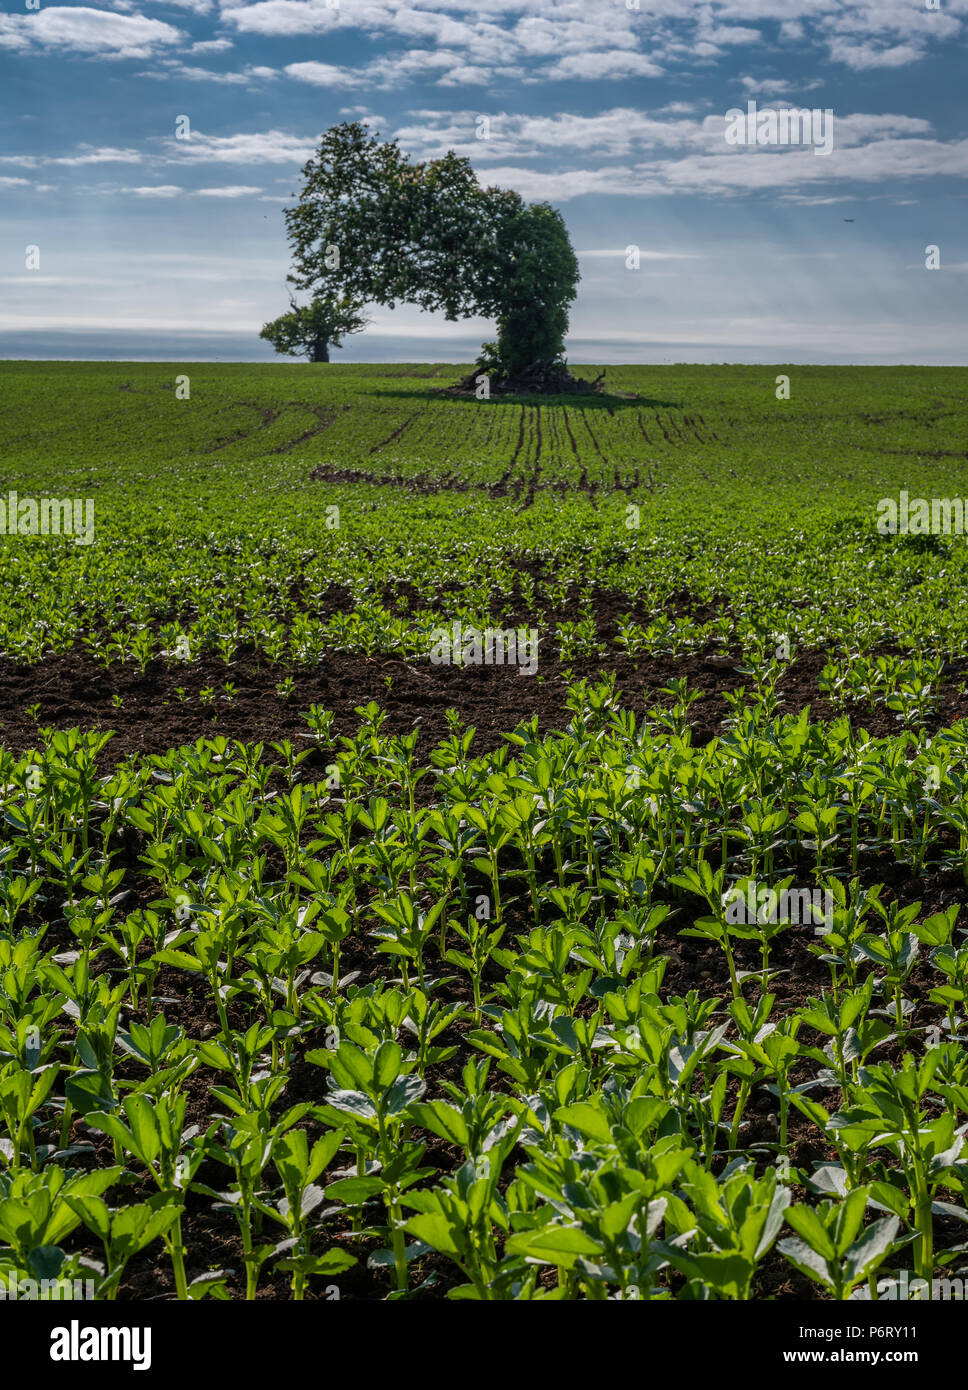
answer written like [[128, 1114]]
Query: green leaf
[[95, 1214], [434, 1230], [180, 959], [355, 1191], [354, 1103], [333, 1262], [807, 1224], [587, 1119], [554, 1244], [90, 1090], [443, 1120], [870, 1249], [806, 1260], [46, 1261]]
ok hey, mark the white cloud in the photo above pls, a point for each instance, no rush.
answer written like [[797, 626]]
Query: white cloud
[[235, 190], [791, 30], [766, 87], [863, 56], [218, 317], [171, 67], [617, 133], [80, 29], [465, 75], [602, 39], [816, 200], [723, 34], [621, 151], [131, 6], [600, 67], [392, 71], [266, 147], [736, 171], [858, 129], [160, 190], [88, 154], [362, 113], [211, 46], [620, 253], [324, 75], [282, 17]]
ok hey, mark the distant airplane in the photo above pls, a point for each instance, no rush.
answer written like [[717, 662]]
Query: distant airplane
[[848, 219]]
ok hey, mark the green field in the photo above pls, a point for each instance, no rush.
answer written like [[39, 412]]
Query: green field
[[205, 511], [326, 965]]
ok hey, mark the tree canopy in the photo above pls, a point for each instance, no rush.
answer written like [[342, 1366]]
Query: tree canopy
[[310, 329], [373, 226]]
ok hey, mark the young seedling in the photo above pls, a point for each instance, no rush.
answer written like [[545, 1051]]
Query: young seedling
[[833, 1247]]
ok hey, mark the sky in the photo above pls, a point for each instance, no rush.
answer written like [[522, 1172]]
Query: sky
[[148, 148]]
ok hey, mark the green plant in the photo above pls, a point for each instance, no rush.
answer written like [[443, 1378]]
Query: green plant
[[833, 1247], [153, 1133]]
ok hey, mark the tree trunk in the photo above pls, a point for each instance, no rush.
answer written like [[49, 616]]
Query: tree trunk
[[320, 350]]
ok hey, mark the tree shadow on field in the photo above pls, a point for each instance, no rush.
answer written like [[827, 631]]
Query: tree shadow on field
[[597, 401]]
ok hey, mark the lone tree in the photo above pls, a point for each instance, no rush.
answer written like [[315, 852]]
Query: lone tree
[[372, 226], [308, 331]]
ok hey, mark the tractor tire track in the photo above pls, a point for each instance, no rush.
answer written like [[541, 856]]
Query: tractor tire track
[[688, 420], [595, 444], [326, 419], [501, 487], [592, 488], [536, 470], [563, 440], [396, 433], [568, 431], [268, 417]]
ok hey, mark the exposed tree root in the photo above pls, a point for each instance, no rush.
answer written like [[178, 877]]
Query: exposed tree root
[[540, 379]]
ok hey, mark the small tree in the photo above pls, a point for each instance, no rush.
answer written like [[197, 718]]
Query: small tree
[[310, 330]]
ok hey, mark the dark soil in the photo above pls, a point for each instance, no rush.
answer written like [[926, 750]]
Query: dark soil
[[147, 714]]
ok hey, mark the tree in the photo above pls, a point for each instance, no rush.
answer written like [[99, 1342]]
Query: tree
[[372, 226], [536, 275], [308, 331]]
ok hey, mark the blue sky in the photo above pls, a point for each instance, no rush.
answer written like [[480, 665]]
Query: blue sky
[[156, 247]]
